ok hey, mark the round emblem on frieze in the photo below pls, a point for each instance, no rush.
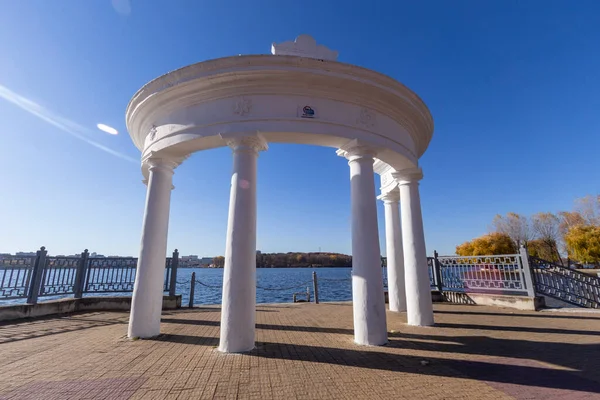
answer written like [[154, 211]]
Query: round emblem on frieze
[[308, 112], [366, 118]]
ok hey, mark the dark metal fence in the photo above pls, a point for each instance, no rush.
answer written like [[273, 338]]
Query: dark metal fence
[[565, 284], [15, 277], [31, 277], [105, 275]]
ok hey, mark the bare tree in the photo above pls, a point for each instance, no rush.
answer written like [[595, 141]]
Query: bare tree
[[589, 209], [568, 221], [547, 228], [516, 226]]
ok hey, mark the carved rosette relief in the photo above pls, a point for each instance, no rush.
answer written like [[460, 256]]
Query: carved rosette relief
[[242, 106], [366, 118]]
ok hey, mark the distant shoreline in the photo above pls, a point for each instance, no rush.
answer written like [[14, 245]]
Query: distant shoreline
[[284, 266]]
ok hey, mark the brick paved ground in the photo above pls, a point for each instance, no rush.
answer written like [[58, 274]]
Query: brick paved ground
[[305, 351]]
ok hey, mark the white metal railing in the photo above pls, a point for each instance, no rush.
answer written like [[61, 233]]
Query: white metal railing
[[497, 274]]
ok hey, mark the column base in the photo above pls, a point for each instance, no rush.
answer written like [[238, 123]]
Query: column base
[[378, 343], [146, 314], [235, 351], [228, 344], [393, 307], [143, 332], [421, 320], [370, 327], [237, 338]]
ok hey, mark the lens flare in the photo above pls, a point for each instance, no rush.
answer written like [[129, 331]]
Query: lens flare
[[108, 129]]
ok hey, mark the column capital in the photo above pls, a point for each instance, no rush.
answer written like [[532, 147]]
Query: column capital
[[407, 176], [161, 164], [393, 196], [245, 142], [355, 150]]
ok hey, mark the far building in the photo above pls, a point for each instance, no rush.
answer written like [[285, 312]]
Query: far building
[[206, 261], [189, 261]]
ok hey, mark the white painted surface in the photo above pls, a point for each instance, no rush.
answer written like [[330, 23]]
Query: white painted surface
[[146, 304], [517, 302], [238, 309], [186, 110], [419, 309], [393, 250], [304, 46], [207, 105], [367, 280]]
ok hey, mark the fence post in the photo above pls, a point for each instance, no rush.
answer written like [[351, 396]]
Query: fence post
[[174, 266], [437, 272], [528, 275], [192, 287], [315, 287], [80, 275], [308, 294], [36, 276]]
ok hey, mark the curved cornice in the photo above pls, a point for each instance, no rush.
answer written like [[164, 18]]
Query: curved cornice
[[267, 74]]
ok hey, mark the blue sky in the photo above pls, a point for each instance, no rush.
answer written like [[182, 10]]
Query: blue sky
[[512, 85]]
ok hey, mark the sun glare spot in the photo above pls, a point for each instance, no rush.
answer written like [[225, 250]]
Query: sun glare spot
[[108, 129]]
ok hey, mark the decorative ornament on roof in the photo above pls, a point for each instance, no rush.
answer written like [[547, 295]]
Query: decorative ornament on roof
[[152, 132], [242, 106], [304, 46]]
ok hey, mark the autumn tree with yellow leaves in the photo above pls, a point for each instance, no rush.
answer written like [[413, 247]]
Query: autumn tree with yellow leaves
[[583, 243], [546, 235], [490, 244]]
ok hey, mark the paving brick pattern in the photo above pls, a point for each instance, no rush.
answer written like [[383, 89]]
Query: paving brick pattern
[[305, 351]]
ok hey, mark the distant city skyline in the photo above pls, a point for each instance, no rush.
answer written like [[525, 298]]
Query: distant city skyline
[[512, 87]]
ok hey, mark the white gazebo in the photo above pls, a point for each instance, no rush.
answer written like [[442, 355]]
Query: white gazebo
[[299, 94]]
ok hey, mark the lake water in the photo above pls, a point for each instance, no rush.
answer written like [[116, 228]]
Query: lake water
[[274, 285]]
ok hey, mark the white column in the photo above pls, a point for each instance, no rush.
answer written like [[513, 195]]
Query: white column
[[239, 276], [419, 309], [146, 304], [393, 249], [367, 280]]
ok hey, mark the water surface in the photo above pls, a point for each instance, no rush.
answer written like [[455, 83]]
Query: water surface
[[274, 285]]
